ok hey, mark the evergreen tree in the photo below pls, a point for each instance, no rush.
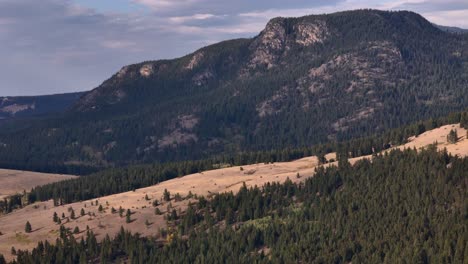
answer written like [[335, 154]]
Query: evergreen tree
[[452, 137], [166, 195], [28, 227], [128, 216], [55, 217]]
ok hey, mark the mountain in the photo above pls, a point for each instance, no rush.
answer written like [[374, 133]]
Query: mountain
[[301, 81], [30, 106], [456, 30]]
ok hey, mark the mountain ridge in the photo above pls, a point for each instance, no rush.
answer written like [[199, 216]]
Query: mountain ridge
[[278, 89], [30, 106]]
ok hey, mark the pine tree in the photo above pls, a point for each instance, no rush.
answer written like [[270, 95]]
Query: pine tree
[[128, 216], [452, 137], [173, 215], [82, 212], [55, 217], [167, 195], [28, 227]]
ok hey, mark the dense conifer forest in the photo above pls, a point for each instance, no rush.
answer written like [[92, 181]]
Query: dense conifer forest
[[403, 207], [118, 180]]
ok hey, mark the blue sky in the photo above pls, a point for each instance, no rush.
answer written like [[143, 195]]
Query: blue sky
[[57, 46]]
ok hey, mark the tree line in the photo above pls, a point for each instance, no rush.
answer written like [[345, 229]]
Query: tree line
[[118, 180], [401, 206]]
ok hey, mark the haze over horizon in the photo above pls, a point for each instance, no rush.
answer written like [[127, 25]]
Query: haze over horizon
[[57, 46]]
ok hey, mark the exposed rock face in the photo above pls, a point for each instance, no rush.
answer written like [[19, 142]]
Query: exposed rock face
[[123, 72], [269, 44], [147, 70], [310, 33], [365, 70], [202, 78], [16, 108], [194, 61], [273, 104], [181, 132], [175, 138], [276, 39], [343, 123], [12, 107], [187, 121], [89, 101]]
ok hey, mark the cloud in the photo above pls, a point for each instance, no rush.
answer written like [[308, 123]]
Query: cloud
[[63, 47], [164, 5], [452, 17], [183, 19]]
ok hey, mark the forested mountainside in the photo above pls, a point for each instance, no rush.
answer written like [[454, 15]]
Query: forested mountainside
[[29, 106], [113, 181], [403, 206], [301, 81]]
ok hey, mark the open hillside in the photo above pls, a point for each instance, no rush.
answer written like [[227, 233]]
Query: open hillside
[[301, 81], [14, 182], [151, 206]]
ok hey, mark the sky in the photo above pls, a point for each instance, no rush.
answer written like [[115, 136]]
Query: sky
[[59, 46]]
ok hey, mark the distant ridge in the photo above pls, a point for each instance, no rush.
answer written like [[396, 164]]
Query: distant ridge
[[452, 29], [29, 106]]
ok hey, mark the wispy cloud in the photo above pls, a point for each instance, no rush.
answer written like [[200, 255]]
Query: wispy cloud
[[184, 19], [165, 5]]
